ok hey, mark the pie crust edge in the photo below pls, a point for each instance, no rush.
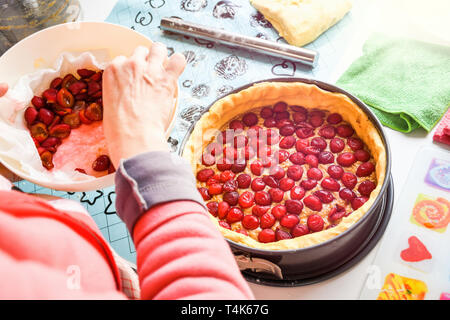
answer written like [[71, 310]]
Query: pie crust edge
[[293, 93]]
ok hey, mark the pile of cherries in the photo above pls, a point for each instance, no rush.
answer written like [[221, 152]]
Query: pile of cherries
[[295, 158], [68, 103]]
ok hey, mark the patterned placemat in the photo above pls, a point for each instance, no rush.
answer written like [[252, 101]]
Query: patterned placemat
[[212, 71]]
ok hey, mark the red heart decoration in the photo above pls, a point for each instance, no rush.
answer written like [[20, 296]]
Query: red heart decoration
[[416, 251]]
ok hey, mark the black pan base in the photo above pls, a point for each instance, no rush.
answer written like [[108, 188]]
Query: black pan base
[[384, 213]]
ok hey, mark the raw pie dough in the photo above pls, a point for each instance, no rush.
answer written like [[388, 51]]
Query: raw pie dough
[[293, 93], [302, 21]]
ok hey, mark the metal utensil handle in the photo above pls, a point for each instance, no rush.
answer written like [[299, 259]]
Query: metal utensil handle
[[263, 46]]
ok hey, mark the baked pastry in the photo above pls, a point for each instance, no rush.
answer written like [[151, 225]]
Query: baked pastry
[[302, 21], [286, 165]]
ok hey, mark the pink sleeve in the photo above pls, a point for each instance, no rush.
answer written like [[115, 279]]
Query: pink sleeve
[[182, 255]]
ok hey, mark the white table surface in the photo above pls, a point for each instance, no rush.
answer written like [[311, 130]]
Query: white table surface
[[349, 284]]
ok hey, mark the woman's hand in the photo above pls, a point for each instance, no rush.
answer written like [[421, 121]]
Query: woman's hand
[[139, 101]]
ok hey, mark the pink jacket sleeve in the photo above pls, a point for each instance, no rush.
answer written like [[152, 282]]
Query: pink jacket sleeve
[[182, 255]]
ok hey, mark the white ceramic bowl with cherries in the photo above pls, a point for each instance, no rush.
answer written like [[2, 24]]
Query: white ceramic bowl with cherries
[[33, 54]]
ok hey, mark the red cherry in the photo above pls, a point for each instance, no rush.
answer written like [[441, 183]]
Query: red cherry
[[267, 220], [46, 116], [366, 187], [282, 235], [258, 184], [294, 206], [330, 184], [279, 211], [224, 164], [297, 193], [250, 119], [283, 120], [262, 198], [299, 230], [248, 153], [246, 199], [358, 202], [204, 174], [276, 194], [222, 209], [308, 184], [281, 155], [315, 223], [297, 158], [250, 222], [349, 180], [38, 102], [324, 196], [266, 235], [319, 143], [243, 180], [299, 117], [208, 159], [315, 174], [296, 108], [362, 155], [238, 167], [277, 172], [304, 132], [347, 194], [355, 143], [256, 167], [365, 169], [312, 160], [289, 221], [287, 142], [226, 175], [241, 231], [225, 225], [231, 197], [286, 184], [260, 210], [313, 202], [230, 185], [234, 215], [345, 131], [346, 159], [236, 125], [334, 118], [31, 115], [287, 130], [213, 208], [270, 123], [315, 121], [301, 144], [294, 172], [204, 193], [337, 145], [335, 171], [327, 132], [280, 107], [270, 181], [326, 157], [336, 213], [266, 112], [214, 189]]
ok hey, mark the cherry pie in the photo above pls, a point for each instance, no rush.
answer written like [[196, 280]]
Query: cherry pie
[[290, 166]]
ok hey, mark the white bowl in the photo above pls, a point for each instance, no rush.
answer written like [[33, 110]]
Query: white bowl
[[41, 49]]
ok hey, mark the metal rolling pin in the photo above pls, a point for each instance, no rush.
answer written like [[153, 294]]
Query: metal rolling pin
[[271, 48]]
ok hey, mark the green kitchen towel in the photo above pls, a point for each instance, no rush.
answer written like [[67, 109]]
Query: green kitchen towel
[[405, 82]]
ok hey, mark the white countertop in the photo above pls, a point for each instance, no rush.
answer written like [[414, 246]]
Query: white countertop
[[404, 147]]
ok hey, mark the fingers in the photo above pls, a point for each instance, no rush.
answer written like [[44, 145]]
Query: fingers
[[141, 53], [176, 65], [157, 54], [3, 89]]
